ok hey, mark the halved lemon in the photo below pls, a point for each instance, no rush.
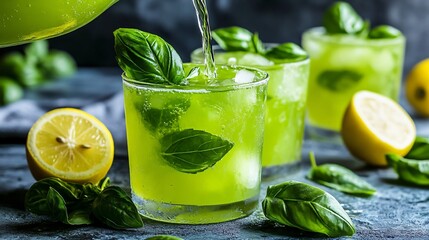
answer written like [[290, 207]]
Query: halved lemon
[[374, 125], [69, 144]]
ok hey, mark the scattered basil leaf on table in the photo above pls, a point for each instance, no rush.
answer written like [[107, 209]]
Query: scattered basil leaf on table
[[193, 151], [59, 211], [308, 208], [114, 208], [384, 31], [57, 64], [164, 237], [287, 51], [338, 80], [75, 204], [419, 150], [410, 170], [341, 18], [147, 57], [339, 178]]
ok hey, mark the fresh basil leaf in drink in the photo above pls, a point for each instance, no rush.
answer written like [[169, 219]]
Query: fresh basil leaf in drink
[[234, 39], [258, 45], [339, 178], [165, 118], [410, 170], [419, 150], [147, 57], [287, 51], [383, 32], [194, 72], [338, 80], [308, 208], [115, 208], [193, 151], [341, 18]]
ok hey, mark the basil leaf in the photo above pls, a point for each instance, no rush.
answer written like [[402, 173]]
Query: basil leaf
[[58, 209], [419, 150], [410, 170], [36, 200], [342, 18], [193, 151], [234, 39], [338, 80], [114, 208], [105, 182], [287, 51], [194, 72], [257, 44], [164, 119], [308, 208], [339, 178], [148, 58], [384, 31], [164, 237]]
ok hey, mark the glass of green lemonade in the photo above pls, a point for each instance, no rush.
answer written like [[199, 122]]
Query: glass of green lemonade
[[286, 106], [343, 63], [195, 150]]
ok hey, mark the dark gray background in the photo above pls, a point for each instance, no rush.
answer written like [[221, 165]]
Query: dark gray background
[[275, 20]]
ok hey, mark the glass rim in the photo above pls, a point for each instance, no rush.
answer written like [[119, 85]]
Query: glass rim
[[198, 52], [318, 33], [261, 80]]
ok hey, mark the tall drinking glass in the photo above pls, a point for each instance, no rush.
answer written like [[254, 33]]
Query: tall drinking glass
[[342, 65], [195, 150], [286, 107]]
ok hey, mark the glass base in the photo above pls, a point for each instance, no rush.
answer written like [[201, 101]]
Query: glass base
[[280, 171], [323, 135], [188, 214]]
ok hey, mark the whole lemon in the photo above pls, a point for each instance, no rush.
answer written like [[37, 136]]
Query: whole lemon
[[417, 88]]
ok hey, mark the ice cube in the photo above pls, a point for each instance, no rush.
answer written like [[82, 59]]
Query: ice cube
[[383, 62], [248, 177], [253, 59], [349, 57], [244, 76], [232, 61]]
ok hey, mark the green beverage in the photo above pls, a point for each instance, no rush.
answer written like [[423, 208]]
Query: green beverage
[[28, 20], [194, 146], [286, 101], [345, 61]]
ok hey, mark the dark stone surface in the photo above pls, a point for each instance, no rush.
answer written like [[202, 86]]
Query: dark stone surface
[[396, 212]]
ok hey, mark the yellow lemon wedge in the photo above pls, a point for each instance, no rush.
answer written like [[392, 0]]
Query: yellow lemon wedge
[[69, 144], [417, 88], [374, 125]]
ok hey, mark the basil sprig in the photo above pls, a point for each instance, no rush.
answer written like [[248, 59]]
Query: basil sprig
[[410, 170], [342, 18], [78, 204], [147, 57], [339, 178], [193, 151], [308, 208], [239, 39]]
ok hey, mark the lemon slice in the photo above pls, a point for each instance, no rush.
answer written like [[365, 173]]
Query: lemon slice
[[69, 144], [374, 125]]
